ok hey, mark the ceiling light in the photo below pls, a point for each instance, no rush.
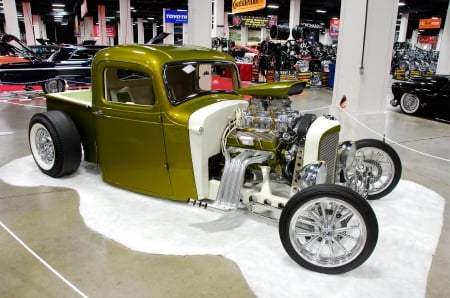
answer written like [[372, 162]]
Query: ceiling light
[[58, 5], [401, 4], [321, 11], [273, 6]]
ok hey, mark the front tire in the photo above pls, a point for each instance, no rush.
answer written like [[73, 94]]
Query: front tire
[[410, 103], [55, 143], [384, 164], [328, 229]]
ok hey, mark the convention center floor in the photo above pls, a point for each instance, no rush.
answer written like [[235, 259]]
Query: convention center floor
[[50, 249]]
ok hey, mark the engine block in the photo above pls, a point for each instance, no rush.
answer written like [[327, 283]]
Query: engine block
[[264, 125]]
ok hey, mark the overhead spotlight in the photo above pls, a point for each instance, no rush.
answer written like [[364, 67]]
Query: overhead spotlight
[[273, 6], [401, 4], [321, 11]]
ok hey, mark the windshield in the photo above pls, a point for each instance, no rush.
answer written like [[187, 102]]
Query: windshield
[[185, 81]]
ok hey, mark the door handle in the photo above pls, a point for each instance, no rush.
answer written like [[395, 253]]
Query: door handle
[[98, 113]]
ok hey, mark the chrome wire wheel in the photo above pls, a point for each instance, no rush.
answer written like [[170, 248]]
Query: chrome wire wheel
[[379, 160], [409, 103], [328, 232], [380, 164], [42, 146]]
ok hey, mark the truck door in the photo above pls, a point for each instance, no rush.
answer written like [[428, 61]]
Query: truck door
[[129, 133]]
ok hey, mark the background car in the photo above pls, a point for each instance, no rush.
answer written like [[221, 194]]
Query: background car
[[423, 95], [67, 65]]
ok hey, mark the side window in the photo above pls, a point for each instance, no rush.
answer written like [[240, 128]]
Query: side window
[[127, 86]]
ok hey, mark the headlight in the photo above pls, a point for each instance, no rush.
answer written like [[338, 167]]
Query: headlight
[[312, 174], [346, 154]]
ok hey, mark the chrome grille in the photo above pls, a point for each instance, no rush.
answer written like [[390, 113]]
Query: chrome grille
[[327, 153]]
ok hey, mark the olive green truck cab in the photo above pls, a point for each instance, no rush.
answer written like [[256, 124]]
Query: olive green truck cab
[[174, 122]]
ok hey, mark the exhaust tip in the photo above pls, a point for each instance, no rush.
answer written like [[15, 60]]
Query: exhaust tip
[[198, 203]]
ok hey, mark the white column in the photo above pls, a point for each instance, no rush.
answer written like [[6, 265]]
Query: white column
[[219, 17], [88, 30], [294, 15], [140, 31], [42, 28], [185, 33], [37, 27], [443, 66], [102, 39], [414, 37], [125, 27], [11, 20], [403, 27], [154, 29], [199, 23], [28, 21], [363, 65], [244, 35]]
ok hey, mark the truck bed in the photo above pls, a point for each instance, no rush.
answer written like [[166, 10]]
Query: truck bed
[[78, 97]]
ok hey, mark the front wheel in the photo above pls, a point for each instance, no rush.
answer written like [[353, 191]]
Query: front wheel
[[384, 164], [328, 228]]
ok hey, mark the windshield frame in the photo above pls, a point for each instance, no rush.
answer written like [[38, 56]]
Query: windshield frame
[[236, 82]]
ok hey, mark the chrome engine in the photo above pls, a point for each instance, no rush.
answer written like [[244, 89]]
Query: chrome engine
[[270, 134]]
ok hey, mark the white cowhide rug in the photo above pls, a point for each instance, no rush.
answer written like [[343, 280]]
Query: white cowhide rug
[[410, 221]]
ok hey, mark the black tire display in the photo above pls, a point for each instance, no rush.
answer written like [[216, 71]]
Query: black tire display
[[328, 228], [55, 143], [53, 86], [384, 163], [410, 103], [280, 32]]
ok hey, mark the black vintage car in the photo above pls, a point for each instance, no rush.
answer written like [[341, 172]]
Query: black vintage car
[[423, 95], [68, 64]]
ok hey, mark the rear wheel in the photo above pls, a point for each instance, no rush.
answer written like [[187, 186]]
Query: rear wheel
[[409, 103], [328, 228], [55, 143]]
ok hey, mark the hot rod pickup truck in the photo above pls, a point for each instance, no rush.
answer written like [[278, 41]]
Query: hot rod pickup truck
[[174, 122]]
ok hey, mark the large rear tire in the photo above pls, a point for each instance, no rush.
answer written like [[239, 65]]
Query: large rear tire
[[328, 228], [55, 143]]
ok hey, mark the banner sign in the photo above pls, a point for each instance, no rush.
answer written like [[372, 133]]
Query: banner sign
[[250, 21], [239, 6], [434, 23], [334, 27], [423, 39], [84, 8], [110, 30], [313, 25], [176, 16]]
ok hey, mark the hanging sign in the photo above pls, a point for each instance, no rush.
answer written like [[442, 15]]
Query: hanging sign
[[176, 16], [110, 30], [423, 39], [334, 27], [433, 23], [250, 21], [239, 6]]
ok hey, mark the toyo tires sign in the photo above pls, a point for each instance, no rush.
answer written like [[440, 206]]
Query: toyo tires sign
[[176, 16]]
